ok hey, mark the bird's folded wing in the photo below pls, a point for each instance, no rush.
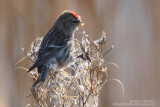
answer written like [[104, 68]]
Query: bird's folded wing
[[44, 55]]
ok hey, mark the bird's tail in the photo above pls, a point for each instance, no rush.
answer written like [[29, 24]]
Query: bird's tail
[[32, 67], [43, 70]]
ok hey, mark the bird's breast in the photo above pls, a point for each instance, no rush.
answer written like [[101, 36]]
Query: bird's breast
[[64, 56]]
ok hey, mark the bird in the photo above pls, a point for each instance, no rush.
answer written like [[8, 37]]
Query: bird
[[57, 45]]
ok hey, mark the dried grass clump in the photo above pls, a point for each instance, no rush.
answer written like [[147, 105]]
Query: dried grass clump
[[75, 84]]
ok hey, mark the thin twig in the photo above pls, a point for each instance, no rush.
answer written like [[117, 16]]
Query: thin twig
[[108, 51]]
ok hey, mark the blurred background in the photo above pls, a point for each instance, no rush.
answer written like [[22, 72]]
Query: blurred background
[[133, 26]]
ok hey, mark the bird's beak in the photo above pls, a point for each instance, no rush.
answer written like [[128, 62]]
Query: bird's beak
[[80, 23]]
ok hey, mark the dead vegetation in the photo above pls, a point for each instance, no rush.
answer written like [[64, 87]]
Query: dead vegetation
[[74, 85]]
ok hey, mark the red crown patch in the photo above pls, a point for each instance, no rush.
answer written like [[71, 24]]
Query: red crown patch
[[74, 14]]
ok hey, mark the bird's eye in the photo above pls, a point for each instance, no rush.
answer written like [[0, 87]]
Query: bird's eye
[[74, 21]]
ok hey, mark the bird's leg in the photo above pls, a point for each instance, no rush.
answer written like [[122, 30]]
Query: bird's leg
[[82, 57]]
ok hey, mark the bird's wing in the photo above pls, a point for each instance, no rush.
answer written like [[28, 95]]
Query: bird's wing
[[44, 55]]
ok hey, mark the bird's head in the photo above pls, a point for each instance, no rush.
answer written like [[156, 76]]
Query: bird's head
[[68, 21]]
